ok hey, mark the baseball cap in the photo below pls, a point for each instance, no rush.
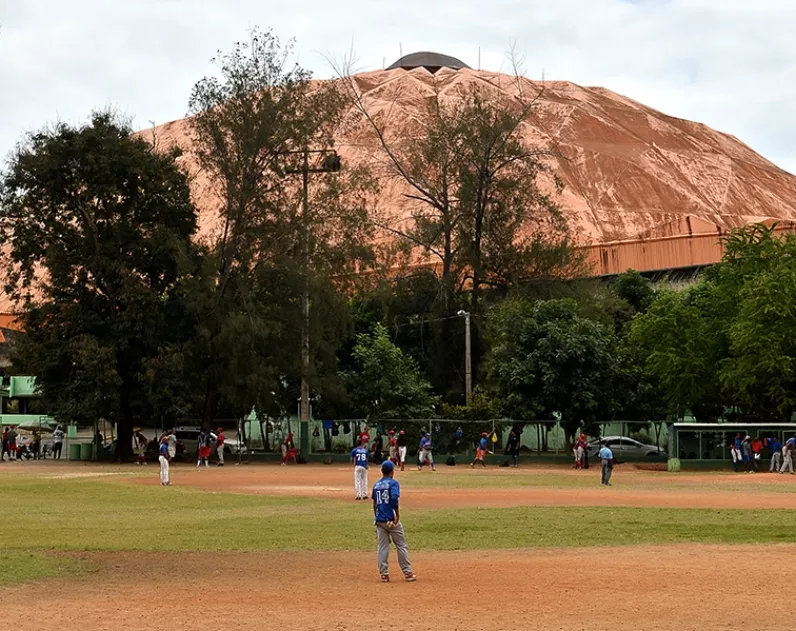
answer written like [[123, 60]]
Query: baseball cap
[[387, 466]]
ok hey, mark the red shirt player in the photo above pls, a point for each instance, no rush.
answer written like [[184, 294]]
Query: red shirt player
[[393, 447], [364, 437]]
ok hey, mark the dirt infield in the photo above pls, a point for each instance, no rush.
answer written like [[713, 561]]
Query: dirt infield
[[659, 490], [650, 588]]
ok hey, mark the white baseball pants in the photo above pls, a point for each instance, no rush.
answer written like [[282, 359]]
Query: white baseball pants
[[787, 461], [402, 454], [164, 470], [220, 451], [361, 481]]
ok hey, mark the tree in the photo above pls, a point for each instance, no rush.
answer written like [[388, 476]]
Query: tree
[[545, 359], [478, 208], [254, 129], [385, 383], [96, 226]]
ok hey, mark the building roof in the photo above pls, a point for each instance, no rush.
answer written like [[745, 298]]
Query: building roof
[[430, 61]]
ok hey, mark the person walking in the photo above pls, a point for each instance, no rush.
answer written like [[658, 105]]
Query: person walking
[[480, 451], [203, 441], [607, 464], [58, 442], [776, 456], [787, 456], [139, 444], [163, 458], [513, 448], [220, 446], [359, 456], [386, 494], [402, 446]]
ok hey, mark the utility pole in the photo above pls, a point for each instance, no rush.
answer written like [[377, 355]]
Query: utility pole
[[330, 163], [468, 370], [304, 420]]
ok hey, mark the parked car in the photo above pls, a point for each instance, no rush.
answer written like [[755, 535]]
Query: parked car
[[624, 447], [189, 437], [234, 446]]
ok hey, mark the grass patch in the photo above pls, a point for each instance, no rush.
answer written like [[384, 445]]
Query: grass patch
[[85, 515], [17, 566]]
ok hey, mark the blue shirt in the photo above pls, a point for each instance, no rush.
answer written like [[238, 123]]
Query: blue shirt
[[482, 444], [775, 444], [164, 449], [789, 442], [606, 454], [360, 457], [425, 443], [385, 497]]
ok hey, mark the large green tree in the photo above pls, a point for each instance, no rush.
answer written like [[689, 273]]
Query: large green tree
[[256, 128], [384, 382], [477, 204], [96, 228], [546, 359]]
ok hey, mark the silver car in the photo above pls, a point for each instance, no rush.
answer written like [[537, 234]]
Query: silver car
[[624, 447]]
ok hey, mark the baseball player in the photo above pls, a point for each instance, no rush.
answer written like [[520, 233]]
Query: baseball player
[[220, 446], [402, 445], [776, 457], [480, 451], [424, 453], [171, 438], [787, 456], [139, 442], [392, 446], [203, 441], [386, 493], [163, 458], [360, 457]]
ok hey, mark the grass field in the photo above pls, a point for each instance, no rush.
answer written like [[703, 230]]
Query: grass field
[[112, 514]]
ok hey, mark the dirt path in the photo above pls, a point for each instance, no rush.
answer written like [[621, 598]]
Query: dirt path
[[704, 491], [650, 588]]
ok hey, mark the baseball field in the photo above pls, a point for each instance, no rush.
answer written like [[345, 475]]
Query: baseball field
[[269, 547]]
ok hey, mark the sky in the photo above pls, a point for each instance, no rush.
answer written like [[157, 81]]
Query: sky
[[730, 64]]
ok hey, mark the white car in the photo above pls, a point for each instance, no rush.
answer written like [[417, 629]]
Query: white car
[[234, 446], [624, 447]]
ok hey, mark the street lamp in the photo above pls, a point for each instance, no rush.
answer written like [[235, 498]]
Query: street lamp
[[468, 372], [330, 163]]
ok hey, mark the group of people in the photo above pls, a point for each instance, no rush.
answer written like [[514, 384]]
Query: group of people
[[16, 448], [747, 452]]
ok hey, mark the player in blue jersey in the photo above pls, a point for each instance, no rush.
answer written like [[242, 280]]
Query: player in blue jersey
[[386, 493], [359, 456], [163, 457], [481, 449], [424, 452]]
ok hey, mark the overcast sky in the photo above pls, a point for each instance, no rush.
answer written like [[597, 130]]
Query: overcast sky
[[728, 63]]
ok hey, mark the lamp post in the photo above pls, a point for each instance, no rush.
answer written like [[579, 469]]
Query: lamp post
[[330, 163], [468, 372]]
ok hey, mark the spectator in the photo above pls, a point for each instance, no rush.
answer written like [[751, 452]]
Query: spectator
[[35, 445], [12, 443], [757, 452], [457, 439], [139, 445], [58, 442], [513, 448], [287, 446], [171, 442], [378, 449], [5, 445], [746, 451], [220, 446]]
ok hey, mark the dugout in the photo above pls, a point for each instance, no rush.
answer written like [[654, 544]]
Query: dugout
[[708, 444]]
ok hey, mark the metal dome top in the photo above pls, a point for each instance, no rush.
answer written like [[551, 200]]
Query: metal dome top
[[430, 61]]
